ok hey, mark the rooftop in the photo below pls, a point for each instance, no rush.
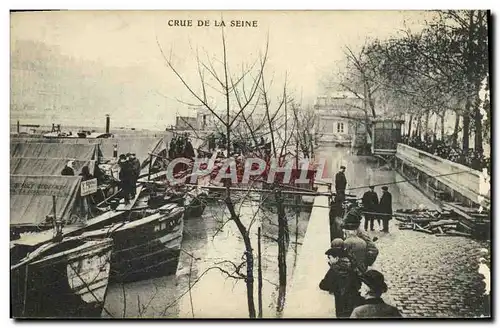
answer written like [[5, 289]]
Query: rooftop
[[339, 95]]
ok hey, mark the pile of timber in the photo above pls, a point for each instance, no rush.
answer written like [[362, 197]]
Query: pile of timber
[[476, 221], [439, 223]]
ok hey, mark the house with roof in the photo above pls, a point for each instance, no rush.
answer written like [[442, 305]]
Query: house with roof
[[341, 118]]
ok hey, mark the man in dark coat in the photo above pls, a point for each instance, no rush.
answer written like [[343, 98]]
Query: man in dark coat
[[222, 141], [370, 204], [211, 143], [85, 174], [68, 169], [385, 207], [341, 280], [188, 149], [374, 306], [136, 169], [126, 176], [340, 182], [336, 218]]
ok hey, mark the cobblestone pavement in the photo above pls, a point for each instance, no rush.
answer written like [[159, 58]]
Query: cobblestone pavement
[[427, 276], [430, 276]]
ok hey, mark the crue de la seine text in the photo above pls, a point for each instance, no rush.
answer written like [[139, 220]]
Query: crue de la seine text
[[216, 23]]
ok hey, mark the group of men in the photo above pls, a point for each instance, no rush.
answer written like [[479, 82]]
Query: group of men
[[130, 169], [373, 208], [181, 146], [377, 210], [239, 146], [357, 288]]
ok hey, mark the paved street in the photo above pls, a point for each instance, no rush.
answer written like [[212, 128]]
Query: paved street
[[428, 276]]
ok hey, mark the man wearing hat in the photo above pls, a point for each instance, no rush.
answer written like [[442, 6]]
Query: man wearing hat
[[357, 241], [340, 182], [370, 204], [126, 176], [136, 169], [375, 307], [341, 280], [385, 208]]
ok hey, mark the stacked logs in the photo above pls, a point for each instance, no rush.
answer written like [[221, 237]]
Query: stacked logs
[[431, 222]]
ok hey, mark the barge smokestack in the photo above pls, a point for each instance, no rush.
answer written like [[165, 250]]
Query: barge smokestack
[[107, 123]]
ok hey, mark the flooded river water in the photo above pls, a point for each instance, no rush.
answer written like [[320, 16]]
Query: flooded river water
[[212, 294]]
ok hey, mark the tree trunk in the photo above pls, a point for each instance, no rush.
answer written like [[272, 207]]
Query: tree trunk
[[283, 239], [470, 80], [409, 125], [466, 126], [478, 124], [419, 126], [442, 125], [259, 272], [426, 125], [242, 229], [248, 257], [454, 139], [434, 137]]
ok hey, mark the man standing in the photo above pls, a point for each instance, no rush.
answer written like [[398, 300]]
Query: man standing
[[126, 178], [374, 306], [370, 204], [136, 169], [340, 182], [385, 207], [342, 280]]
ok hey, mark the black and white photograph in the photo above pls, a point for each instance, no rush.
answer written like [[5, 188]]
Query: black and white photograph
[[292, 164]]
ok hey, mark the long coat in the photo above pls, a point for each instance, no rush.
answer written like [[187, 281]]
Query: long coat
[[375, 308], [385, 205], [340, 181], [370, 200], [342, 281], [136, 167]]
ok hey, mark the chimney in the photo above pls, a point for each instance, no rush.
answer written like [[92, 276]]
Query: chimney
[[107, 123], [18, 130]]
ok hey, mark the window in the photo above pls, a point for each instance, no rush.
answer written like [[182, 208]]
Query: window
[[340, 127]]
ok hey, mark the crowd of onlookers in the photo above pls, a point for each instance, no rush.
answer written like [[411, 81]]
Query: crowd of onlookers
[[445, 149]]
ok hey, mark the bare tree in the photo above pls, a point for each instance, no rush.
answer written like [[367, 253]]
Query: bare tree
[[233, 89]]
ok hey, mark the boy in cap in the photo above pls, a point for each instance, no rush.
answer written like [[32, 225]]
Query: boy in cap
[[374, 306], [341, 280], [385, 207]]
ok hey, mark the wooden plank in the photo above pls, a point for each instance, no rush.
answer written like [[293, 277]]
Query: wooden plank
[[459, 212], [153, 176], [130, 205], [419, 228]]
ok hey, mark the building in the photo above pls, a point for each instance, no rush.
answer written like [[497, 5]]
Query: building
[[341, 118], [186, 123]]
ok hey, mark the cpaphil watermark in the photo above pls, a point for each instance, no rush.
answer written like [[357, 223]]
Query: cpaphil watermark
[[246, 171]]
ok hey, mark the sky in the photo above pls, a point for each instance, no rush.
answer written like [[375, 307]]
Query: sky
[[78, 66]]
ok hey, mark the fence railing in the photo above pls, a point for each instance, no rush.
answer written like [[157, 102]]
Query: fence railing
[[456, 176]]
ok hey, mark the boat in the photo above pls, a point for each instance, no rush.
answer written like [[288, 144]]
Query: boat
[[160, 192], [146, 244], [61, 279]]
